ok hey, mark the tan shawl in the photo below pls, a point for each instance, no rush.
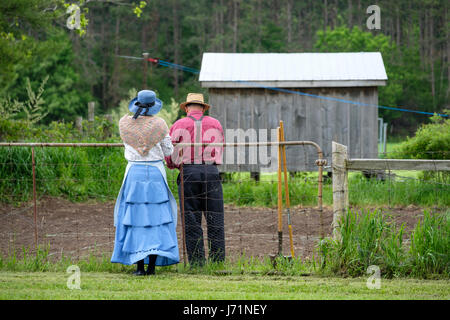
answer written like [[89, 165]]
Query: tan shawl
[[142, 133]]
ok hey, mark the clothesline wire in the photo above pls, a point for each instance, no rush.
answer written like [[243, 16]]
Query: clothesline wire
[[257, 85]]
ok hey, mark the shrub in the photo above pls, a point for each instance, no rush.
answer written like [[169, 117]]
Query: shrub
[[431, 141], [24, 131]]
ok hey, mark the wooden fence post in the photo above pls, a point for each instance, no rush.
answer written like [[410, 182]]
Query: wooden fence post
[[79, 124], [145, 68], [108, 131], [91, 116], [340, 185], [91, 111]]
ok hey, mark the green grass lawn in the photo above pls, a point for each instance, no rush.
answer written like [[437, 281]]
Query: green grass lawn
[[390, 147], [52, 285]]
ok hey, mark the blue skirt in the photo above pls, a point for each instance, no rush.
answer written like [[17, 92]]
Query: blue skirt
[[145, 222]]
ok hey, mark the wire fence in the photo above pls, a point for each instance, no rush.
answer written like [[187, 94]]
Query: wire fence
[[76, 188]]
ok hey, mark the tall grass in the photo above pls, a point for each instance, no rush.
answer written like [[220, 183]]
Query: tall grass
[[39, 260], [75, 173], [370, 238], [243, 191], [265, 193], [397, 192], [430, 245]]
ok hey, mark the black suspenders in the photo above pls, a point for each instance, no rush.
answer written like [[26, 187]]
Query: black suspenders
[[198, 158], [196, 120]]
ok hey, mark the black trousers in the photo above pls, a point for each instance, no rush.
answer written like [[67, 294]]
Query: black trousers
[[203, 195]]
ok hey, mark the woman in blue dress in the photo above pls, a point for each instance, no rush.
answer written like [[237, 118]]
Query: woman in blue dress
[[145, 214]]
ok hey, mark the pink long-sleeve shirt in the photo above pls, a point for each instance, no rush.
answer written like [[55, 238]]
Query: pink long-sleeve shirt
[[184, 130]]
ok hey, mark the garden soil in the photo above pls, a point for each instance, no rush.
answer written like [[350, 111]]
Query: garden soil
[[81, 229]]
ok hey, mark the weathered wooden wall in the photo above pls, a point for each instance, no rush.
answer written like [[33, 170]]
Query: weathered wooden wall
[[305, 118]]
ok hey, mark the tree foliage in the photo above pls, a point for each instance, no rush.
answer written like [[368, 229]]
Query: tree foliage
[[84, 65], [31, 108], [342, 39]]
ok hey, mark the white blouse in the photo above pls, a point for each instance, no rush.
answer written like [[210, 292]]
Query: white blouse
[[162, 149]]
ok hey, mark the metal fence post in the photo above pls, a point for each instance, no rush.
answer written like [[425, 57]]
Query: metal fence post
[[183, 223], [280, 198], [33, 164]]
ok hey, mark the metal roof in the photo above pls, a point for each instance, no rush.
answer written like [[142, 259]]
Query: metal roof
[[343, 69]]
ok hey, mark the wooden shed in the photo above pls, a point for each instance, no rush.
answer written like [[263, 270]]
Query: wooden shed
[[321, 97]]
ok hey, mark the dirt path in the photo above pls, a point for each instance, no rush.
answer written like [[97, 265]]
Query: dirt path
[[78, 229]]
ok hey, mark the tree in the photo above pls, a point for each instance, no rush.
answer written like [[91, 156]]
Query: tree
[[405, 81], [413, 39], [65, 95], [20, 22]]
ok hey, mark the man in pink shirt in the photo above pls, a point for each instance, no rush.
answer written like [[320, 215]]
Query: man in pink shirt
[[202, 183]]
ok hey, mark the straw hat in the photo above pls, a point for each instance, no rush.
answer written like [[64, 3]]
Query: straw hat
[[196, 98]]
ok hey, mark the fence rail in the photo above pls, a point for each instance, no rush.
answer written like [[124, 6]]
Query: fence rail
[[397, 164], [213, 144]]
